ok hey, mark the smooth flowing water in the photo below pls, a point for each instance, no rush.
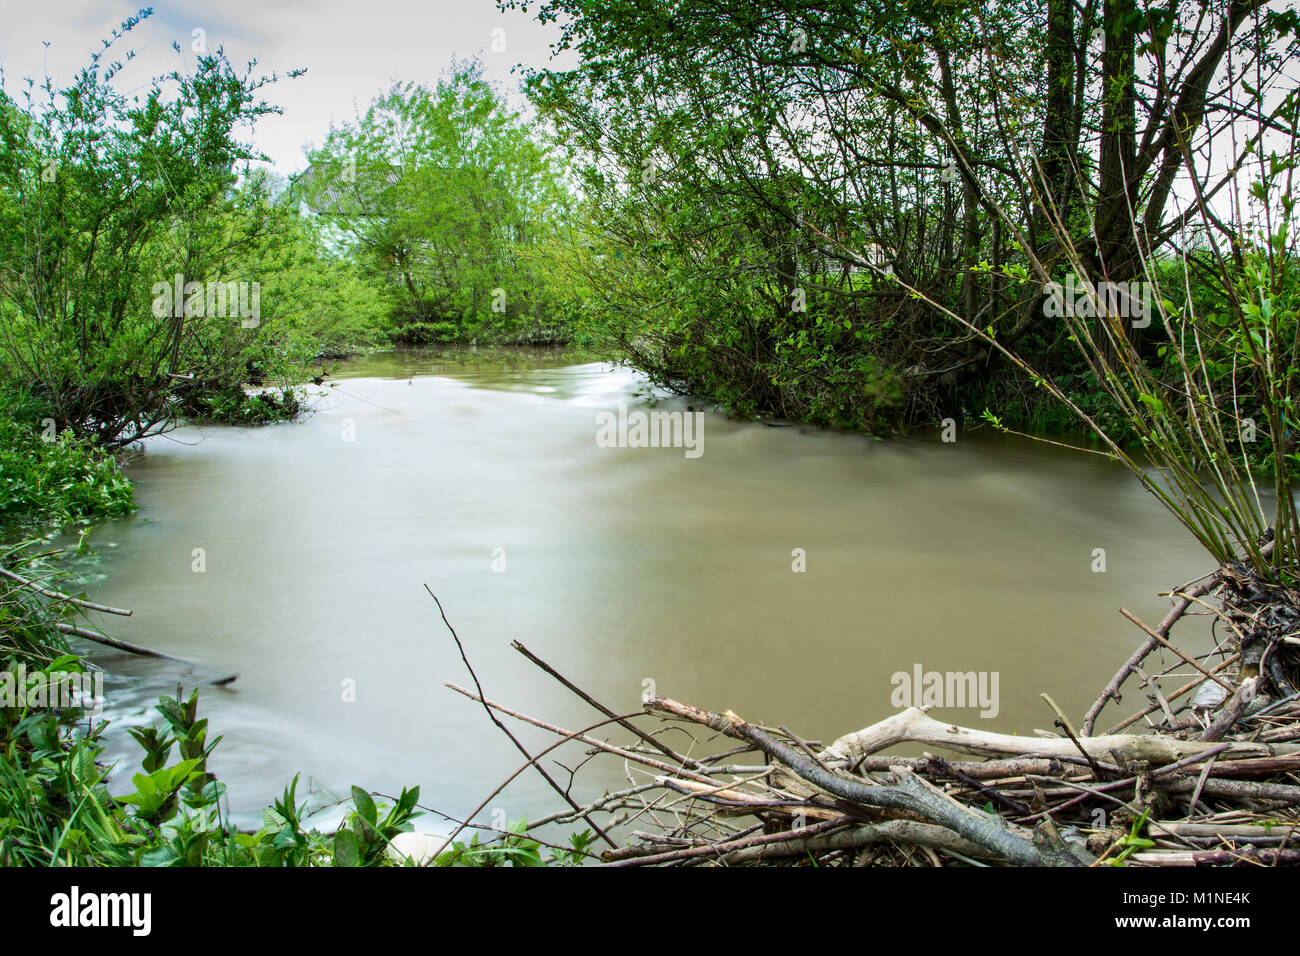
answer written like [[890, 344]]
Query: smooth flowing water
[[297, 557]]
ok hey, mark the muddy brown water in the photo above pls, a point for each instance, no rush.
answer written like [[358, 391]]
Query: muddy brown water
[[296, 556]]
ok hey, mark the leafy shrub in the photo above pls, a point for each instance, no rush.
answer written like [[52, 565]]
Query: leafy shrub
[[54, 480]]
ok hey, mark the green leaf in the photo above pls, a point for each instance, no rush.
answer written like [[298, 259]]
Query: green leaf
[[365, 805], [160, 856], [346, 848]]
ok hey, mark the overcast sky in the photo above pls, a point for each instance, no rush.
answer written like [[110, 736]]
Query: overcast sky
[[352, 49]]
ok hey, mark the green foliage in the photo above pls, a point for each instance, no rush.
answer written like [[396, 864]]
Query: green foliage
[[446, 199], [335, 306], [55, 806], [49, 479], [233, 405], [105, 198], [806, 209], [1131, 842], [515, 848]]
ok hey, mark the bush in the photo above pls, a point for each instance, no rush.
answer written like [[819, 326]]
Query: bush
[[54, 480]]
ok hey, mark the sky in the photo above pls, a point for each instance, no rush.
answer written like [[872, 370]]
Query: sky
[[353, 50]]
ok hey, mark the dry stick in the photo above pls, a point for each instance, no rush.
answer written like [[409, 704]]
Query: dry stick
[[1241, 789], [626, 725], [1157, 695], [1112, 689], [713, 849], [1064, 723], [1231, 768], [944, 768], [1285, 841], [505, 730], [113, 642], [1222, 665], [1259, 856], [925, 835], [1128, 781], [583, 738], [1246, 833], [144, 652], [646, 851], [978, 770], [1161, 640], [742, 749], [1231, 710], [60, 596], [911, 794], [532, 762], [1200, 785], [730, 799], [634, 850], [568, 816]]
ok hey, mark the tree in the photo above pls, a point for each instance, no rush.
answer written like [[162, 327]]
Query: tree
[[446, 195], [947, 140], [122, 220]]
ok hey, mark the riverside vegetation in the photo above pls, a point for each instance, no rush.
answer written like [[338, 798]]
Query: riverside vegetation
[[846, 214]]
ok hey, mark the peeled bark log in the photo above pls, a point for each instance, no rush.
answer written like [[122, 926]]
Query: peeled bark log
[[915, 726]]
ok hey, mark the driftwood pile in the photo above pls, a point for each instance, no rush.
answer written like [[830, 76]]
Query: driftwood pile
[[1204, 774]]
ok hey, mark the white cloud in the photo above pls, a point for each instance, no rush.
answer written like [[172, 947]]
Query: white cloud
[[352, 50]]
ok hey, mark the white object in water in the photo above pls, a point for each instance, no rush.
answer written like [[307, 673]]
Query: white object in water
[[1209, 696], [418, 847]]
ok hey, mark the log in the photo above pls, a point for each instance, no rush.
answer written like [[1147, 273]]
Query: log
[[911, 794], [1247, 856], [107, 641], [975, 769], [1244, 833], [905, 832], [915, 726], [1240, 789], [1231, 768]]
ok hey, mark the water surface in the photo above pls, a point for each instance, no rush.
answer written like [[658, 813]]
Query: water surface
[[621, 566]]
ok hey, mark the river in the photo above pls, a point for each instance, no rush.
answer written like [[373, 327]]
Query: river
[[297, 555]]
